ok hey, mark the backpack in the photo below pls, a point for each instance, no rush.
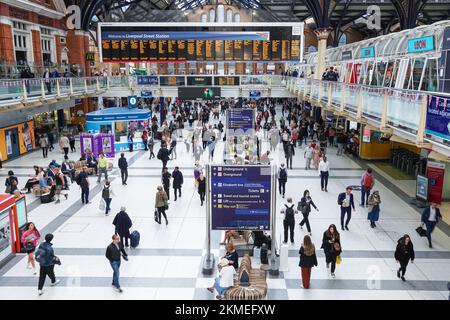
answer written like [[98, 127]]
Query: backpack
[[159, 155], [40, 255], [289, 214], [283, 174], [78, 180], [105, 193], [368, 181]]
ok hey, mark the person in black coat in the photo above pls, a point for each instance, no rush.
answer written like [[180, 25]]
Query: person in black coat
[[331, 245], [403, 253], [308, 259], [345, 200], [304, 207], [430, 217], [114, 252], [123, 166], [202, 188], [165, 179], [232, 256], [163, 155], [177, 182], [123, 223]]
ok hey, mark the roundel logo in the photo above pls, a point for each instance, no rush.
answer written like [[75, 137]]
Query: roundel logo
[[132, 101]]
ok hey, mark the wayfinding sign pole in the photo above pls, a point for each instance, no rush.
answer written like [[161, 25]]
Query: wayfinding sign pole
[[274, 261], [208, 260]]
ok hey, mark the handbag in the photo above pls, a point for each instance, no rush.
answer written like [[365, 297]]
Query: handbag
[[337, 247], [29, 246], [156, 215], [102, 205], [421, 231], [338, 260]]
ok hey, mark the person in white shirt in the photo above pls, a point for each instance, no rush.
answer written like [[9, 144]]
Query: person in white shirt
[[324, 168], [225, 279], [430, 217], [64, 144]]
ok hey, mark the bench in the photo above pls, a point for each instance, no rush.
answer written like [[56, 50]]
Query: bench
[[243, 244], [257, 290]]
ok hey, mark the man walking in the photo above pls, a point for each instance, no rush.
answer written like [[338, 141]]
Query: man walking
[[430, 217], [282, 179], [345, 200], [64, 144], [367, 183], [289, 220], [102, 167], [114, 252], [290, 152], [166, 181], [83, 182], [123, 165], [177, 182], [46, 258], [163, 155]]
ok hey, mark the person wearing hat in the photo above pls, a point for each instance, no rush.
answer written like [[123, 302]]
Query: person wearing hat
[[47, 260], [225, 279], [123, 223]]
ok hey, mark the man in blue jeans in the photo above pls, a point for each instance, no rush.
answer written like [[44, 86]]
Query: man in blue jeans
[[430, 217], [114, 252]]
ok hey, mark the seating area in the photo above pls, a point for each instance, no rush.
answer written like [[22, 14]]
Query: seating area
[[256, 289], [243, 242]]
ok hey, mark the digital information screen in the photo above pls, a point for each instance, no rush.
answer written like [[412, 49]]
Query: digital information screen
[[240, 122], [134, 42], [206, 93], [240, 197]]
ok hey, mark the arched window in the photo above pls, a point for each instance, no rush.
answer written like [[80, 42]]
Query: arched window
[[342, 40], [312, 49], [229, 15], [212, 15], [237, 17], [220, 13], [204, 17]]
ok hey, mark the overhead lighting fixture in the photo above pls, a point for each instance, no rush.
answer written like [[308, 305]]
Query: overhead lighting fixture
[[254, 12]]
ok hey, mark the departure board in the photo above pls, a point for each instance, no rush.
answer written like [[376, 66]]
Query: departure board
[[191, 50], [134, 50], [226, 81], [200, 50], [257, 50], [120, 42], [266, 51], [209, 50], [276, 50], [238, 50], [182, 51], [172, 50], [248, 50], [219, 47], [162, 49], [285, 50], [228, 50]]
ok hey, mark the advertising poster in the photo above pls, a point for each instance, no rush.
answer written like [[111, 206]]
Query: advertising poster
[[240, 197], [86, 143], [438, 117], [366, 135], [27, 134], [435, 175], [104, 143], [9, 149], [422, 188]]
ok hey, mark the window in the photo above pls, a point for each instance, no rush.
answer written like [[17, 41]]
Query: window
[[237, 17], [220, 13], [204, 17], [63, 40], [429, 81], [342, 40], [417, 71], [408, 75], [19, 25], [20, 42], [46, 31], [394, 73], [229, 15], [46, 45], [212, 15]]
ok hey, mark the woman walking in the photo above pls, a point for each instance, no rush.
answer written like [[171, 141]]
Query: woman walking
[[403, 253], [374, 208], [305, 208], [107, 195], [316, 156], [308, 259], [161, 204], [30, 239], [202, 188], [331, 246], [44, 145]]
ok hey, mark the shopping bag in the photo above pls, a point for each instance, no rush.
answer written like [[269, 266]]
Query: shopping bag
[[338, 260], [156, 216], [102, 205]]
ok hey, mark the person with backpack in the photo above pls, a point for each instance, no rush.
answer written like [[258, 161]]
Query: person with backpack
[[331, 245], [367, 183], [11, 183], [177, 182], [123, 166], [30, 239], [324, 172], [163, 155], [83, 181], [122, 223], [161, 204], [403, 254], [289, 220], [107, 194], [46, 258], [114, 253], [345, 200], [308, 260], [304, 206], [282, 179]]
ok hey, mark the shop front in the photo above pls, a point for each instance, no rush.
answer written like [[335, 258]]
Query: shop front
[[16, 140]]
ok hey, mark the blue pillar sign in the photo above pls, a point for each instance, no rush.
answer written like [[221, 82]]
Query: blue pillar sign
[[132, 101], [240, 122], [240, 197]]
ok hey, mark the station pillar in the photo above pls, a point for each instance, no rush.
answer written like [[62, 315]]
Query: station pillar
[[322, 35]]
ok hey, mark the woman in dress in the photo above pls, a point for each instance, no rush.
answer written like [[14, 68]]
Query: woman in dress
[[30, 239]]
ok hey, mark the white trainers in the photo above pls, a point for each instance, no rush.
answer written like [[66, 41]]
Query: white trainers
[[40, 292], [333, 275], [34, 271], [55, 283]]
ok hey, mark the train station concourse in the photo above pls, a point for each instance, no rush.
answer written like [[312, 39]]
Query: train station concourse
[[216, 150]]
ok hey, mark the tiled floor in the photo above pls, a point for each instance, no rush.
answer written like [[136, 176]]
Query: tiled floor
[[167, 264]]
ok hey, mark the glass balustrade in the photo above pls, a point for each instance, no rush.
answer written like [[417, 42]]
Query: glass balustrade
[[404, 109], [373, 102], [77, 85], [64, 85]]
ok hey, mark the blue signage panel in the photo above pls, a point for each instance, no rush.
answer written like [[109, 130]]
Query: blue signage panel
[[147, 80], [421, 44], [132, 101], [146, 94], [181, 35], [438, 117], [368, 52], [240, 121], [240, 197], [422, 188], [255, 94]]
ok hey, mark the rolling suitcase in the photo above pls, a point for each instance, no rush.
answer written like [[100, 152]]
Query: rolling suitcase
[[134, 239]]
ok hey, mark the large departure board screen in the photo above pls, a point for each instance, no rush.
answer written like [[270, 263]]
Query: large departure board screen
[[134, 42]]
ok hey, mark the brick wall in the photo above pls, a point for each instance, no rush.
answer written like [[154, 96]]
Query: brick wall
[[37, 48], [6, 43]]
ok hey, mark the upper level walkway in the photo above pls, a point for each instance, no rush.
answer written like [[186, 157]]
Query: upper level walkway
[[393, 111]]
